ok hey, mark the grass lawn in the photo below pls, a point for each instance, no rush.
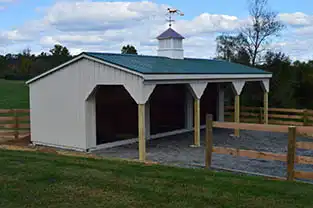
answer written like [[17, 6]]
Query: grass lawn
[[13, 94], [46, 180]]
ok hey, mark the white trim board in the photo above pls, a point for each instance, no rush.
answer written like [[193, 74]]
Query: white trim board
[[148, 77], [58, 146], [135, 140], [117, 143], [191, 81]]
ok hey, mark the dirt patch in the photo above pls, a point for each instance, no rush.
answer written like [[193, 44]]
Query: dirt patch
[[24, 141], [47, 150]]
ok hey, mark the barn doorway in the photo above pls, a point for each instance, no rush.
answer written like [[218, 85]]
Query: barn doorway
[[116, 114], [208, 102], [167, 108]]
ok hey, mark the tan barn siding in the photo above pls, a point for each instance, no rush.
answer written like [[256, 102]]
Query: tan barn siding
[[58, 107]]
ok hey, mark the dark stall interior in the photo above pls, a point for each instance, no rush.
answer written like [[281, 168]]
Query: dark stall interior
[[117, 112], [208, 103], [167, 108]]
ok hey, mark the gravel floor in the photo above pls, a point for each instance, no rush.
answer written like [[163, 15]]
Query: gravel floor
[[176, 150]]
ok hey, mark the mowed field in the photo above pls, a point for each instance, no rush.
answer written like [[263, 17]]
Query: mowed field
[[13, 94], [32, 179], [29, 179]]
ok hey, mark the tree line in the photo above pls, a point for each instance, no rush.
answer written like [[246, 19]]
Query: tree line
[[292, 80], [290, 85], [25, 65]]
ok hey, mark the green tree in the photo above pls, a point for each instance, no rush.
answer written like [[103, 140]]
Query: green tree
[[3, 66], [304, 84], [60, 54], [233, 49], [283, 82], [60, 50], [129, 49]]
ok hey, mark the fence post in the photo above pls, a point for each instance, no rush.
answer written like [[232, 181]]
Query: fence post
[[208, 140], [291, 155], [16, 125], [305, 117]]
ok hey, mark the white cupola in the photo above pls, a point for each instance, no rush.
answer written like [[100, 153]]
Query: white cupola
[[171, 44]]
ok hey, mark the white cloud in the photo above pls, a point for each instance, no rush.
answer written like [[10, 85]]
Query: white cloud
[[100, 16], [107, 26], [296, 19]]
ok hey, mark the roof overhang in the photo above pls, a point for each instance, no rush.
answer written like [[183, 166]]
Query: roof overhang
[[204, 76], [81, 56], [157, 77]]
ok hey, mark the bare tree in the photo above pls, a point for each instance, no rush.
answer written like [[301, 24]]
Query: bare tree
[[264, 25]]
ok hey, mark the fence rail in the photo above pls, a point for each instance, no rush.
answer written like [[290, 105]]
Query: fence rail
[[290, 158], [281, 116], [14, 123]]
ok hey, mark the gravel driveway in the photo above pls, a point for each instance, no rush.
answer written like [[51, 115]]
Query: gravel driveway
[[176, 150]]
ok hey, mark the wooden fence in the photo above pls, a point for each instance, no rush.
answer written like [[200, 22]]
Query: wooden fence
[[282, 116], [14, 123], [290, 158]]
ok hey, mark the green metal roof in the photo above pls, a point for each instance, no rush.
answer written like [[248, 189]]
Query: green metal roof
[[164, 65]]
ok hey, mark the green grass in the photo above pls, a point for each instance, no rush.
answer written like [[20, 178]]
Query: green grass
[[13, 94], [46, 180]]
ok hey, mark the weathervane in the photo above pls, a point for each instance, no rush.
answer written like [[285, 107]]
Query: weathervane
[[171, 12]]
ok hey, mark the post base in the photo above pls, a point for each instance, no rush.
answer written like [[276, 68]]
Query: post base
[[234, 136], [194, 146]]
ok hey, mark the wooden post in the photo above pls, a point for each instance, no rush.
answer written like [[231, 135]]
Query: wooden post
[[237, 113], [305, 117], [197, 122], [291, 152], [16, 125], [141, 132], [265, 107], [261, 115], [208, 140]]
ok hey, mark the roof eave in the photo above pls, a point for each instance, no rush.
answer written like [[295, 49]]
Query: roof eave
[[151, 77], [82, 55], [55, 69], [162, 38]]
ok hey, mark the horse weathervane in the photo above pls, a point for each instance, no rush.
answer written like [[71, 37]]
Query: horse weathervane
[[171, 12]]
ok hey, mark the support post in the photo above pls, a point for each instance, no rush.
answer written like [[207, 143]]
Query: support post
[[291, 152], [208, 140], [265, 107], [147, 120], [141, 132], [197, 122], [237, 114]]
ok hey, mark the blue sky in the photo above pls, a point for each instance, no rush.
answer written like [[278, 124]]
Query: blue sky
[[40, 24], [22, 10]]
